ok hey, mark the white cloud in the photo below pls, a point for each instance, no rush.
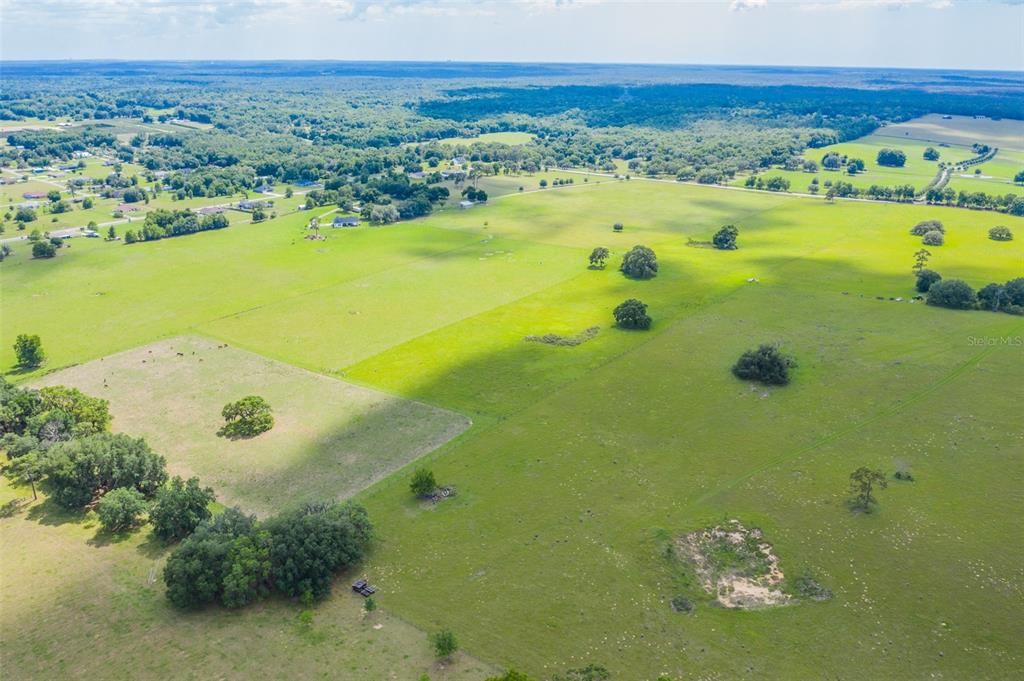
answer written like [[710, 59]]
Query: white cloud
[[742, 5]]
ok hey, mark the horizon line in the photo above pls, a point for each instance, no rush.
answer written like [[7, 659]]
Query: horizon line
[[4, 60]]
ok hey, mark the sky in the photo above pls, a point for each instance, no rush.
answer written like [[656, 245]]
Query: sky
[[963, 34]]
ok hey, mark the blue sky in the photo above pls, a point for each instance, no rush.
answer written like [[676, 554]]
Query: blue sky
[[969, 34]]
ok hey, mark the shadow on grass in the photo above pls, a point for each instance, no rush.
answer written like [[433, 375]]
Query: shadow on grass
[[104, 537], [155, 548], [49, 512]]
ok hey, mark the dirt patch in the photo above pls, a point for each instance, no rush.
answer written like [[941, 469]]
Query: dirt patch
[[736, 565]]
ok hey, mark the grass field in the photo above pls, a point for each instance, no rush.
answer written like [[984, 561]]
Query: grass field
[[583, 461], [510, 138], [329, 440]]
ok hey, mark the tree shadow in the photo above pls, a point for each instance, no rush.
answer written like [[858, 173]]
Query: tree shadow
[[155, 548], [49, 512], [105, 537]]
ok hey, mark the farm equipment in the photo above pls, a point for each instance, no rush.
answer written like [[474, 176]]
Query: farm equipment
[[363, 589]]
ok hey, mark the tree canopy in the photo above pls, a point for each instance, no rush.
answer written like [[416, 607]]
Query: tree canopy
[[725, 238], [952, 293], [639, 263], [248, 417], [632, 314]]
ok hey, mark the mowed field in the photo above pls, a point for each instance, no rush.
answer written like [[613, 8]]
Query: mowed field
[[583, 461], [330, 439]]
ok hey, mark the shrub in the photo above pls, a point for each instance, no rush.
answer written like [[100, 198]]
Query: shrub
[[248, 417], [179, 508], [639, 263], [922, 228], [933, 238], [444, 643], [632, 314], [925, 279], [682, 604], [952, 293], [807, 586], [29, 351], [120, 508], [1000, 233], [725, 238], [766, 365], [618, 227], [43, 249], [423, 482]]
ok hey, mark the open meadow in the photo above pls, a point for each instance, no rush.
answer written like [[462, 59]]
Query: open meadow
[[582, 464]]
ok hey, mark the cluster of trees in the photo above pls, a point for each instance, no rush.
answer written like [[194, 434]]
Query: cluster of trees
[[932, 232], [61, 436], [474, 194], [233, 559], [957, 294], [947, 196], [161, 223], [776, 183], [893, 158]]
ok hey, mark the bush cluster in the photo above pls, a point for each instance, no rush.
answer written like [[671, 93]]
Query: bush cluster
[[765, 365], [233, 559], [957, 294]]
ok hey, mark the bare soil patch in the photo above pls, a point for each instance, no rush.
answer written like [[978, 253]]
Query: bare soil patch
[[736, 565]]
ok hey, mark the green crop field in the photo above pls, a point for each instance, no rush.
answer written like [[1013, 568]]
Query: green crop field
[[583, 463]]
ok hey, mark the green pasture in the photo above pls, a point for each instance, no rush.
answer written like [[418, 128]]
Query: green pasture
[[583, 462]]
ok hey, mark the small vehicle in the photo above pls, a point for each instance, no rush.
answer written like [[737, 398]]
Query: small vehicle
[[364, 589]]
